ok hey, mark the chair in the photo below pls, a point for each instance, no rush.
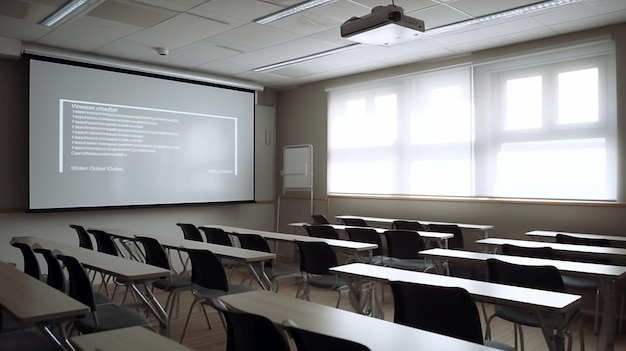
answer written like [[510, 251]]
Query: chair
[[190, 231], [23, 339], [322, 231], [582, 283], [456, 242], [319, 219], [311, 341], [105, 244], [102, 317], [407, 225], [84, 240], [403, 247], [211, 282], [155, 255], [216, 236], [444, 310], [55, 277], [274, 271], [537, 277], [355, 222], [369, 235], [316, 257], [250, 332], [31, 265], [545, 252]]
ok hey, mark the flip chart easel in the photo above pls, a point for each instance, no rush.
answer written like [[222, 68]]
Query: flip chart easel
[[297, 172]]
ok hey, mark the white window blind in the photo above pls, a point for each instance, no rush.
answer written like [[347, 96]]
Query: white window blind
[[538, 126]]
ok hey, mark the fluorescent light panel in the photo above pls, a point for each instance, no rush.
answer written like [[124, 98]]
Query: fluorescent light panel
[[306, 58], [62, 13], [303, 6]]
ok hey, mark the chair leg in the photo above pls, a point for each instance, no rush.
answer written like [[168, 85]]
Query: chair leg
[[521, 337], [596, 312], [182, 336]]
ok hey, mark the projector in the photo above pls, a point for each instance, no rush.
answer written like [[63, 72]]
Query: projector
[[386, 25]]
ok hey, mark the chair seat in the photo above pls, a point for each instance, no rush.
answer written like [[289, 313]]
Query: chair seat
[[411, 264], [499, 345], [381, 260], [208, 294], [517, 315], [26, 340], [327, 281], [101, 299], [176, 282], [582, 283], [277, 271], [109, 318]]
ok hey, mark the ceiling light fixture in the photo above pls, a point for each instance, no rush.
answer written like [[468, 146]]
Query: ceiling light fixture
[[64, 13], [306, 58], [303, 6]]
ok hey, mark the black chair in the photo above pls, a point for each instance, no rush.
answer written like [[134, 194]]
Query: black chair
[[250, 332], [216, 236], [315, 260], [369, 235], [545, 252], [324, 231], [155, 255], [311, 341], [355, 222], [190, 231], [31, 265], [84, 240], [455, 242], [105, 244], [319, 219], [449, 311], [211, 282], [537, 277], [407, 225], [274, 271], [102, 317], [582, 283], [403, 247], [55, 277], [23, 339]]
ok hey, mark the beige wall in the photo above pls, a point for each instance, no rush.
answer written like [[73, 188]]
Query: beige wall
[[301, 118]]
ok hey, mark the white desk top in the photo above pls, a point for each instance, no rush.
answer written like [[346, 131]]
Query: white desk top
[[584, 269], [541, 300], [580, 250], [235, 253], [339, 244], [378, 335], [481, 227], [552, 234], [423, 234], [121, 268], [126, 339], [29, 300]]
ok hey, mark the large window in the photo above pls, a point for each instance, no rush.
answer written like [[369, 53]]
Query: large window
[[538, 126]]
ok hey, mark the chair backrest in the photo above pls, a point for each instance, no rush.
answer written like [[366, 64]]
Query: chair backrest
[[154, 253], [250, 332], [404, 244], [216, 236], [311, 341], [56, 278], [537, 252], [355, 222], [569, 239], [319, 219], [80, 285], [449, 311], [190, 231], [31, 265], [316, 257], [254, 242], [406, 224], [207, 270], [84, 240], [322, 231], [537, 277], [455, 242], [366, 235], [104, 242]]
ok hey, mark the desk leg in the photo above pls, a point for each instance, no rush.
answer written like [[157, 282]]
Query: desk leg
[[154, 306], [363, 297], [263, 279], [608, 291], [441, 266]]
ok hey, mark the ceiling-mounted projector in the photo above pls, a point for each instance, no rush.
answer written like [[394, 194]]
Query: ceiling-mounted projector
[[386, 25]]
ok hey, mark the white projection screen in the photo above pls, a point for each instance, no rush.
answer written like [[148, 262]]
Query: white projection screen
[[105, 138]]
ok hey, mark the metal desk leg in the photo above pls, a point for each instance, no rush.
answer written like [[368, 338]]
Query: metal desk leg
[[263, 279], [154, 306]]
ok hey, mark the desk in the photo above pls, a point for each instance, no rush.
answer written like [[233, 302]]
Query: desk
[[554, 308], [249, 257], [483, 229], [607, 274], [29, 300], [128, 272], [126, 339], [376, 334], [614, 239]]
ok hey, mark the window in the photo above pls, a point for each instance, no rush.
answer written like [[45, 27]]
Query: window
[[539, 126]]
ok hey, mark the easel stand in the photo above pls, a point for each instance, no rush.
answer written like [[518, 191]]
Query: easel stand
[[297, 173]]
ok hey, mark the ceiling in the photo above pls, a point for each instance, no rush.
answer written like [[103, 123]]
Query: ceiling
[[219, 37]]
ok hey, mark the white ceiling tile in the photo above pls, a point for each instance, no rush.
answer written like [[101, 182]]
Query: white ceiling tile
[[590, 22], [235, 10], [333, 36], [296, 48], [406, 5], [252, 37], [237, 64], [190, 27], [198, 53], [476, 8], [176, 5], [569, 12], [439, 15]]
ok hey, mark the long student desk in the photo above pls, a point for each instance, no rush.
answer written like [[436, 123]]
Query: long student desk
[[248, 257], [440, 238], [376, 334], [608, 275], [556, 309], [126, 339], [618, 240], [128, 272], [29, 300]]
